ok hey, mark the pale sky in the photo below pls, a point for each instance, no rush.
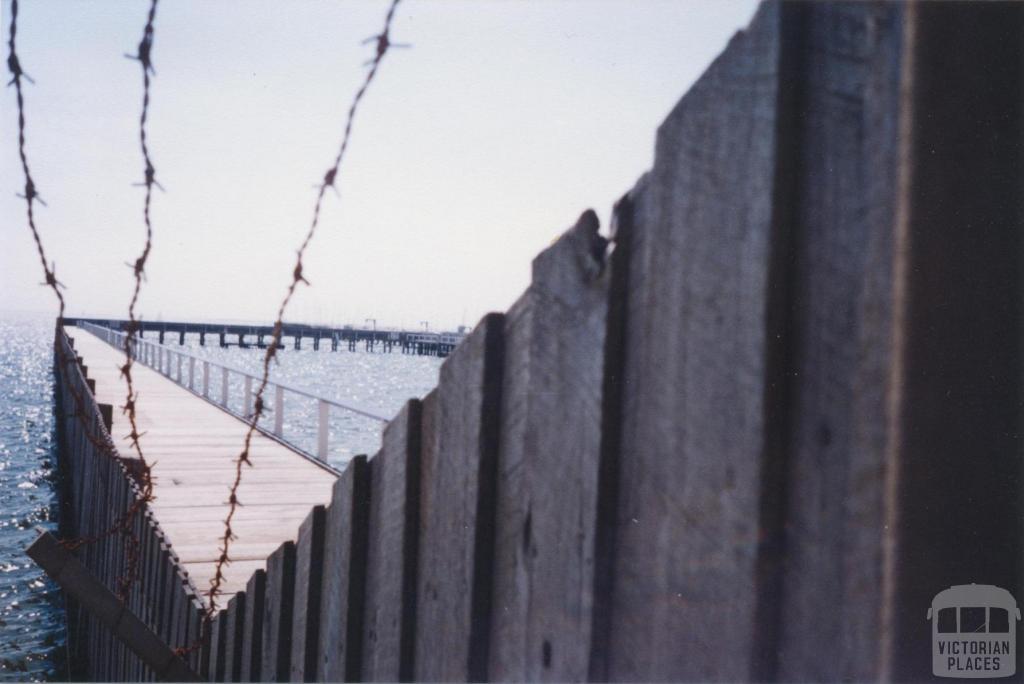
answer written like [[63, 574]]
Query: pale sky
[[473, 149]]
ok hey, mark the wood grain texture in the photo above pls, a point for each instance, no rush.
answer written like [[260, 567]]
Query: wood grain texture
[[458, 470], [309, 560], [828, 424], [216, 667], [234, 627], [549, 457], [345, 537], [277, 616], [687, 534], [252, 630], [390, 609], [957, 448]]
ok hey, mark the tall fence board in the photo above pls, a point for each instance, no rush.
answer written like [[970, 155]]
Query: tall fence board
[[309, 572], [341, 615], [234, 629], [277, 615], [252, 629], [693, 418], [392, 551], [831, 412], [458, 468], [955, 451], [548, 463]]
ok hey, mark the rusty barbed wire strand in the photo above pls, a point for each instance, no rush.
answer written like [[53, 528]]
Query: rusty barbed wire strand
[[144, 57], [383, 44], [31, 196]]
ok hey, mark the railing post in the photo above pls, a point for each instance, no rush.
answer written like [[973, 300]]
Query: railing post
[[224, 387], [192, 372], [206, 378], [278, 410], [248, 410], [321, 441], [180, 357]]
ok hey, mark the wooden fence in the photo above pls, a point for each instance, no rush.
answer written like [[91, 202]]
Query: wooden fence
[[97, 488], [752, 438]]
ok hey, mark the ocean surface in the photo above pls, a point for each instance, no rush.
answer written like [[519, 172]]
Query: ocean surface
[[32, 643]]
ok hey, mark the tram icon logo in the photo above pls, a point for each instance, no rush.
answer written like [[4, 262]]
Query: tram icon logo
[[974, 632]]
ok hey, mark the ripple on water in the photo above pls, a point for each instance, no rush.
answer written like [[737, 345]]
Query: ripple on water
[[31, 606]]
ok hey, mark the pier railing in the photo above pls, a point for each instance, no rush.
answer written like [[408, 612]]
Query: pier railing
[[213, 382]]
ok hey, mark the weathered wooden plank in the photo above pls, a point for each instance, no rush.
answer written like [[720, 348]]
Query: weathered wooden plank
[[390, 618], [206, 659], [195, 634], [277, 616], [687, 533], [118, 623], [309, 562], [168, 578], [252, 631], [345, 550], [217, 629], [233, 639], [829, 355], [218, 659], [955, 453], [458, 470], [549, 457]]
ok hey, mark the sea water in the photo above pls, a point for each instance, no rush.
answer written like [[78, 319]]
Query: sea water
[[32, 643], [31, 606]]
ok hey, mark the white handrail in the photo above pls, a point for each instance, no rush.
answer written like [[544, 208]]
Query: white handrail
[[159, 358]]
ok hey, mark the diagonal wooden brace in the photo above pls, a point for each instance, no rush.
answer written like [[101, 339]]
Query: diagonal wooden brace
[[76, 579]]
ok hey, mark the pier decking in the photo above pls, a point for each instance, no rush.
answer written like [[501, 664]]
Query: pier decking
[[192, 444]]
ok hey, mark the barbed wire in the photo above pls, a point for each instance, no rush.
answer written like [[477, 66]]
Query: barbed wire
[[383, 44], [144, 57], [121, 524], [31, 195]]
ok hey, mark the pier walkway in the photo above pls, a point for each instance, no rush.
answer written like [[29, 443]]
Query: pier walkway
[[192, 444]]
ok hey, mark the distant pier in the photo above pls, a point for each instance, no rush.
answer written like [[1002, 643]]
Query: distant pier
[[419, 343]]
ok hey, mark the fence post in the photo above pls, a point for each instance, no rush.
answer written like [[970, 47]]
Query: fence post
[[192, 372], [278, 410], [248, 410], [322, 430], [206, 378], [224, 387]]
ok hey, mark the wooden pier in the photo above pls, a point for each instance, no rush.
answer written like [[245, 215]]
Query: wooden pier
[[192, 445], [749, 439], [421, 342]]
